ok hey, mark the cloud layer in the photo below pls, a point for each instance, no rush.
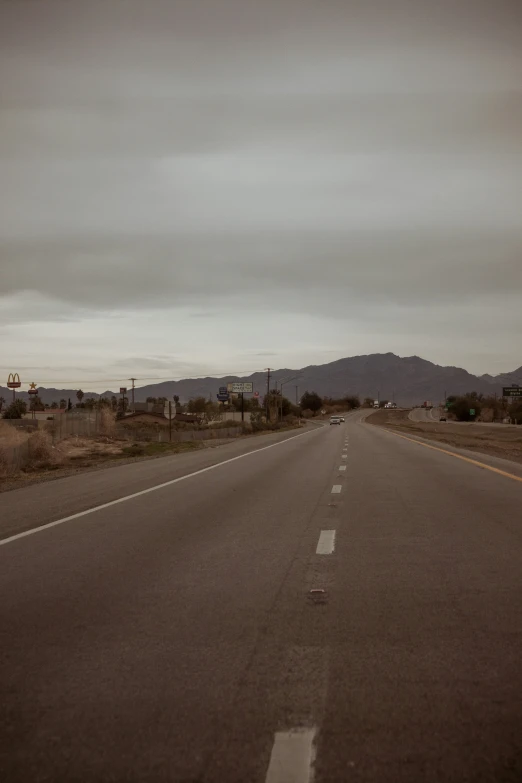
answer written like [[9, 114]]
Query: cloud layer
[[181, 163]]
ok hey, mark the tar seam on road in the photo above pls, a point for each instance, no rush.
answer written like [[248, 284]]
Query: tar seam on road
[[123, 499], [326, 543], [336, 489], [292, 758], [459, 456]]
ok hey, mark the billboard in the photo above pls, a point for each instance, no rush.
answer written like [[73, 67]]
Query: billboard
[[240, 388], [512, 391]]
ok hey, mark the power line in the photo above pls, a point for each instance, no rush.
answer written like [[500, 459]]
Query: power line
[[208, 374]]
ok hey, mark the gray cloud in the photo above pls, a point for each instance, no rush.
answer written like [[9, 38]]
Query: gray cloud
[[341, 161], [328, 270]]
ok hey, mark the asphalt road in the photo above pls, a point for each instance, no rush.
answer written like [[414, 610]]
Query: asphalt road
[[425, 414], [174, 636]]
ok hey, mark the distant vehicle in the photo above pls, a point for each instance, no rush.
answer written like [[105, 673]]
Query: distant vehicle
[[376, 403], [342, 418], [335, 419], [442, 418]]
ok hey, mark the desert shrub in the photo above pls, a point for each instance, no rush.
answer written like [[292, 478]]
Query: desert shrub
[[40, 447], [136, 450]]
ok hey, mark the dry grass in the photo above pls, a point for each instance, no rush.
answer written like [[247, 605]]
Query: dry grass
[[107, 423], [10, 436], [498, 441], [42, 453], [10, 439]]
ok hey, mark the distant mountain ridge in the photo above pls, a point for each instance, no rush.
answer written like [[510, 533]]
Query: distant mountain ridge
[[409, 380]]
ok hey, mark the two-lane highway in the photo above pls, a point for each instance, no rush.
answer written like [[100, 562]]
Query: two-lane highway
[[344, 604]]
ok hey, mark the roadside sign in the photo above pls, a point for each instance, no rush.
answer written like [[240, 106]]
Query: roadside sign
[[13, 382], [33, 389], [222, 397], [223, 390], [472, 411], [512, 391], [240, 387], [123, 390], [256, 394]]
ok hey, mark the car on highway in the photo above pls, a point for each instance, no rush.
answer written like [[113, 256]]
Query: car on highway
[[335, 419], [342, 418], [442, 418]]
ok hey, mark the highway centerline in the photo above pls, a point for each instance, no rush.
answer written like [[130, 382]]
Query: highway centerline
[[342, 467], [326, 543], [292, 757], [156, 487], [336, 489]]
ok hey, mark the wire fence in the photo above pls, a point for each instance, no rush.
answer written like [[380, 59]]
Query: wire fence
[[71, 424], [14, 458], [178, 436]]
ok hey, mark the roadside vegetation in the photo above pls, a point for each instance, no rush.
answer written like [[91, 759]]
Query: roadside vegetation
[[486, 409], [53, 448]]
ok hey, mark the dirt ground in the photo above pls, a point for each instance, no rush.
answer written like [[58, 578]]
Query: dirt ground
[[498, 441], [76, 455]]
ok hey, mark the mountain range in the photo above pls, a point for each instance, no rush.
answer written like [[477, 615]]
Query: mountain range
[[408, 380]]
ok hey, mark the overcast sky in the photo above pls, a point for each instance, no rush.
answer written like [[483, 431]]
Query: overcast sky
[[216, 186]]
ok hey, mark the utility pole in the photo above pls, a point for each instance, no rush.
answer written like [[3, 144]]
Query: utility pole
[[268, 394], [132, 392], [296, 395]]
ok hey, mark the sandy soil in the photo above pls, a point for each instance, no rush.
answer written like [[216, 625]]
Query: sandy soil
[[499, 440]]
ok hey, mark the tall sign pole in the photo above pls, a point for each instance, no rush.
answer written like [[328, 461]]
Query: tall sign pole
[[33, 391], [132, 392]]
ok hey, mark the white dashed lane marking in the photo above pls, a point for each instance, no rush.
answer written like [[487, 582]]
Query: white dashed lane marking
[[342, 467], [292, 758], [336, 489], [326, 544]]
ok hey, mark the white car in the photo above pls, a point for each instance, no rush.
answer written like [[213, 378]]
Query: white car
[[335, 419]]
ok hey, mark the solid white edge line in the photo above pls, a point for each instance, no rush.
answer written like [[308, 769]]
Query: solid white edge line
[[123, 499], [293, 756], [326, 543]]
